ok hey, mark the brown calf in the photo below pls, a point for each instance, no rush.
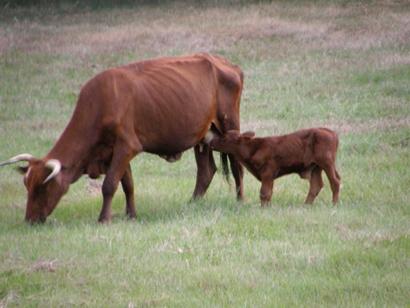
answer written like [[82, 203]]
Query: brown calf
[[306, 152]]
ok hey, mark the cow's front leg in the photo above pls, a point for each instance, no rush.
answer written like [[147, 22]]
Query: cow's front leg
[[266, 191], [123, 152], [128, 188]]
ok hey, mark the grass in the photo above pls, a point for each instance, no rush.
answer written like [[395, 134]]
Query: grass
[[339, 64]]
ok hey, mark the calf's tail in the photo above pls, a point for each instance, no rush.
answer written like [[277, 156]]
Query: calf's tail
[[337, 175], [337, 146]]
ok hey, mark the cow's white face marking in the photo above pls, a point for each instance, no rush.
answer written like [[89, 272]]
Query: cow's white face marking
[[208, 137]]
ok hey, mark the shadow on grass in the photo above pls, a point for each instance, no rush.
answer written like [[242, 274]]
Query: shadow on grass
[[85, 213], [149, 210]]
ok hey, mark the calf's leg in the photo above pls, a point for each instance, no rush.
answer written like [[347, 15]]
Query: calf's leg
[[316, 184], [128, 188], [206, 170], [266, 192], [334, 180]]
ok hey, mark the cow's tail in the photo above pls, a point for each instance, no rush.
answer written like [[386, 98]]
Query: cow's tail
[[225, 166]]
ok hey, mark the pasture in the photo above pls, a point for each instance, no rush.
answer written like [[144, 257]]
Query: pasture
[[343, 65]]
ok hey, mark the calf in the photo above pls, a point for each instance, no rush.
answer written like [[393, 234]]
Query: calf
[[306, 152]]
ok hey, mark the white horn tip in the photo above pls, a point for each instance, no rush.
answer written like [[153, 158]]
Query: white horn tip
[[55, 166]]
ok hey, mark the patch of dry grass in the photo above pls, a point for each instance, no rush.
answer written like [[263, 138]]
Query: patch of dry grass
[[190, 29], [45, 265]]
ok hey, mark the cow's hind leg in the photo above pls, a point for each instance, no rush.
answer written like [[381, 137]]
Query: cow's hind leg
[[128, 188], [124, 151], [232, 123], [316, 184], [206, 169], [229, 96]]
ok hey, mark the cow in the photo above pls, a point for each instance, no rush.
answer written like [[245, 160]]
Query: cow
[[306, 152], [161, 106]]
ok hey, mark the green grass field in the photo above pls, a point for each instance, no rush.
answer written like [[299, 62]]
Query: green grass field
[[340, 64]]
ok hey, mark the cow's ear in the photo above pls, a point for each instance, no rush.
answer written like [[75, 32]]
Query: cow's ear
[[248, 135], [232, 134], [22, 170]]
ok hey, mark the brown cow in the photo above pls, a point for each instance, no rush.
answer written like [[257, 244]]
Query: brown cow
[[162, 106], [306, 152]]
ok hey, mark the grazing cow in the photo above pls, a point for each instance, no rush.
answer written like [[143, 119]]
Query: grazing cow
[[306, 152], [162, 106]]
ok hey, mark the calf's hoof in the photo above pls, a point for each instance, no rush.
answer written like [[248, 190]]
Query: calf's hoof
[[132, 216], [104, 220]]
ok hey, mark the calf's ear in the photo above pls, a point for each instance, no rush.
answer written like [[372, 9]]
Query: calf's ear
[[248, 135]]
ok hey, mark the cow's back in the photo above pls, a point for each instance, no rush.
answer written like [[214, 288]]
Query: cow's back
[[169, 102]]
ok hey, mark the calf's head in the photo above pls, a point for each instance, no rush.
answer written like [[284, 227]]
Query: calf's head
[[44, 184], [231, 142]]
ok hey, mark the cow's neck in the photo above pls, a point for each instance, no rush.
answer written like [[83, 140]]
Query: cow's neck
[[71, 161], [73, 148]]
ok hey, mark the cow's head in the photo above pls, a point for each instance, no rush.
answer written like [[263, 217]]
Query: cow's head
[[231, 141], [44, 184]]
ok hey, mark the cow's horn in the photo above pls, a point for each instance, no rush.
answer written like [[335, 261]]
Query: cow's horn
[[55, 166], [17, 158]]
